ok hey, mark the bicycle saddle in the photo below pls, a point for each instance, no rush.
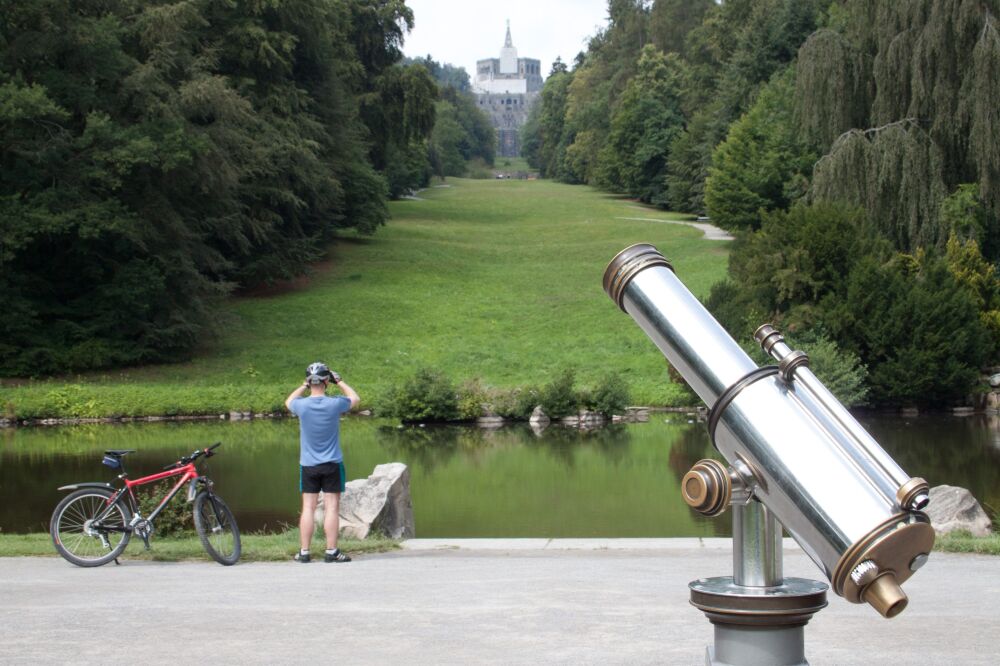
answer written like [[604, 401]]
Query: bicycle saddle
[[118, 453]]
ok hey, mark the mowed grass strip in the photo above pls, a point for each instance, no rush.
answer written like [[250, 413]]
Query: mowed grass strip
[[498, 280], [255, 547]]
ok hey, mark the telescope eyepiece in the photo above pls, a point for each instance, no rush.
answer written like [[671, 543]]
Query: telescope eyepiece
[[885, 595]]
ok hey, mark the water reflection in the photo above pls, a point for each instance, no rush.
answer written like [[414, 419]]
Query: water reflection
[[617, 481]]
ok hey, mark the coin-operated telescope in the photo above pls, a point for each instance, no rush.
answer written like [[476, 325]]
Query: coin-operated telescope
[[796, 459]]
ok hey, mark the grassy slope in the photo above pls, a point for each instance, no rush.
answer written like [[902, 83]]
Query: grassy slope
[[497, 280]]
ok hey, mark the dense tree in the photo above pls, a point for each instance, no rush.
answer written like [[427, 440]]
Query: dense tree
[[158, 154], [446, 74], [916, 327], [850, 142], [634, 159], [905, 94], [400, 118], [461, 131], [479, 141], [908, 318], [737, 49], [762, 164], [670, 21], [545, 134]]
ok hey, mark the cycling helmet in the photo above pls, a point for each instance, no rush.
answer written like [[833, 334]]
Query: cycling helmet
[[317, 373]]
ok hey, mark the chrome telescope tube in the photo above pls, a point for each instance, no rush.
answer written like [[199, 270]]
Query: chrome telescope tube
[[833, 489], [892, 481]]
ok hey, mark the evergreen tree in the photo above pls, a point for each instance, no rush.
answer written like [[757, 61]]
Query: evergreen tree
[[157, 155], [671, 21], [634, 159], [762, 164]]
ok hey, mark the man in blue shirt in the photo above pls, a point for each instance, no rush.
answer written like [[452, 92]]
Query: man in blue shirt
[[321, 460]]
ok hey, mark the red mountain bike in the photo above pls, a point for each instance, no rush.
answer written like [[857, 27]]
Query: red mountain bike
[[92, 525]]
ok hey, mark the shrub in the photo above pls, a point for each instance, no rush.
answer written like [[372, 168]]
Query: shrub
[[558, 397], [426, 396], [473, 400], [915, 327], [517, 403], [610, 396], [840, 371], [478, 169]]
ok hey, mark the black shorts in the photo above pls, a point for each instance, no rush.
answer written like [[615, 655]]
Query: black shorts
[[328, 477]]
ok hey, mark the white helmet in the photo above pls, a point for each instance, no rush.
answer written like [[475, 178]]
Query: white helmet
[[318, 373]]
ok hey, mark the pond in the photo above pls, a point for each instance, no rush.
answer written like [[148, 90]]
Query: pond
[[617, 481]]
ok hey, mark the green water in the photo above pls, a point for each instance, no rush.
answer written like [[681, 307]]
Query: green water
[[619, 481]]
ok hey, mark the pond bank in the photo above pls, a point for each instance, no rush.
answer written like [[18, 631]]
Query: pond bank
[[633, 415]]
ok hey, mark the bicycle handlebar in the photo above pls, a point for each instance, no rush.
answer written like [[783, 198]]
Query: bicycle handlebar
[[197, 453]]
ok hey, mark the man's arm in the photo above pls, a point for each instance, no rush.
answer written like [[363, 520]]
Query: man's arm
[[351, 394], [297, 393]]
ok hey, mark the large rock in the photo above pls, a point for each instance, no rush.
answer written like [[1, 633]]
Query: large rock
[[952, 508], [380, 503], [538, 417]]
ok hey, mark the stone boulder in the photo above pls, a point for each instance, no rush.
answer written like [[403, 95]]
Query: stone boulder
[[538, 417], [380, 503], [490, 422], [952, 508], [584, 419]]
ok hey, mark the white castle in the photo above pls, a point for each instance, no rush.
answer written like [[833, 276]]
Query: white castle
[[506, 87]]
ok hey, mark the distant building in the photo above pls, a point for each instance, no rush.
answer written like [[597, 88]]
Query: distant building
[[506, 87]]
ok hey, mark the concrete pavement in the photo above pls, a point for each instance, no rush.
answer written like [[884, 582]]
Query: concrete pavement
[[518, 601]]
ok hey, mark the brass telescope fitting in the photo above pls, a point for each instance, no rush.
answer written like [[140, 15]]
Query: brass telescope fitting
[[626, 265], [707, 488], [914, 494]]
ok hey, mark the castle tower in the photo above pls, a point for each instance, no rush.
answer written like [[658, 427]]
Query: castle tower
[[506, 87], [508, 55]]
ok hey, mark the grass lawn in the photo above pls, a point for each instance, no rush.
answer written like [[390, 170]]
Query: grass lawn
[[963, 542], [491, 279], [512, 164], [279, 547], [255, 547]]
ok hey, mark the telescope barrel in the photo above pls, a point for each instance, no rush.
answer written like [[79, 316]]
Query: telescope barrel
[[828, 483], [892, 481]]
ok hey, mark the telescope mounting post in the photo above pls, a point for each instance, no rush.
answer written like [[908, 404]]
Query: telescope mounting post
[[758, 615]]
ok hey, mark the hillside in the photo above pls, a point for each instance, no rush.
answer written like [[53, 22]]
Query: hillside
[[490, 279]]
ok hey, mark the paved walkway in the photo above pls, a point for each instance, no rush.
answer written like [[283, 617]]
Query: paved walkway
[[710, 231], [463, 602]]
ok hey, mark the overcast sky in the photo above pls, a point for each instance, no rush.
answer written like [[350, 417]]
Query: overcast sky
[[461, 32]]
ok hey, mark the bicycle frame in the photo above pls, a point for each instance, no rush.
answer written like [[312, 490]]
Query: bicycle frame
[[188, 473]]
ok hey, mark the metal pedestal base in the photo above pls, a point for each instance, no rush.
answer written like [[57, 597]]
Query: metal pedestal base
[[758, 626]]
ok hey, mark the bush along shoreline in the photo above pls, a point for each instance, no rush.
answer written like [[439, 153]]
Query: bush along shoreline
[[425, 397]]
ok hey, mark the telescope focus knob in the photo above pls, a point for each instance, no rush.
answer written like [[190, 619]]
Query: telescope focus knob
[[707, 488]]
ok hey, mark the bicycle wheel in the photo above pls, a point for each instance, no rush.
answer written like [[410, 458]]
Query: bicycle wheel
[[86, 530], [217, 528]]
